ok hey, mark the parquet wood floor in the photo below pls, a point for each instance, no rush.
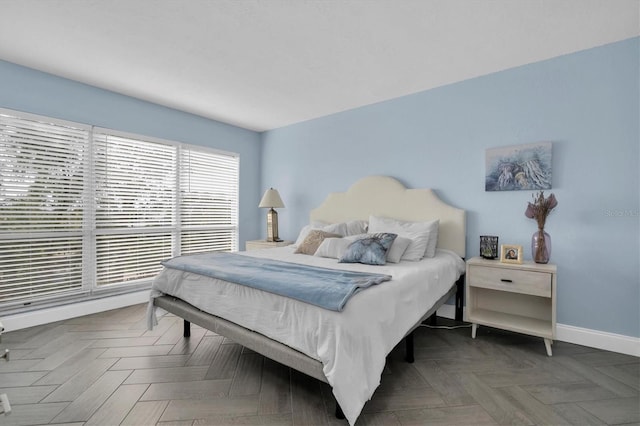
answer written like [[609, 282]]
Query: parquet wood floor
[[108, 369]]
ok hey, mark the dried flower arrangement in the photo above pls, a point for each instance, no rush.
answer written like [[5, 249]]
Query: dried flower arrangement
[[541, 208]]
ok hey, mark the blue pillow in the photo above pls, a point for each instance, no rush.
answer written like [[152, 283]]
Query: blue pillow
[[370, 250]]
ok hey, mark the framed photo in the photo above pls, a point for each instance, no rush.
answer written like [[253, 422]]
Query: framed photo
[[488, 246], [511, 254]]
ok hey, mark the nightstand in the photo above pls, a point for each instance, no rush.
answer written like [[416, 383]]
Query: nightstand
[[263, 244], [514, 297]]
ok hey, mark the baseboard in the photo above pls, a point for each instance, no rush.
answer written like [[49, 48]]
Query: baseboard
[[73, 310], [580, 336], [598, 339]]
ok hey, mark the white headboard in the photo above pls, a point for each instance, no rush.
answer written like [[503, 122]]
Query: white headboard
[[385, 196]]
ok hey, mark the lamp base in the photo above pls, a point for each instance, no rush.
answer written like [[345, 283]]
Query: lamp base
[[272, 226]]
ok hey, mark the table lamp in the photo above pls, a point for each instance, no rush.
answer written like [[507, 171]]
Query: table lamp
[[270, 200]]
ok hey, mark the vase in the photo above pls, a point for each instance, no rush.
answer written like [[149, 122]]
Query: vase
[[541, 246]]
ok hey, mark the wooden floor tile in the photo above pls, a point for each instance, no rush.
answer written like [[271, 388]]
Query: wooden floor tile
[[197, 389], [464, 415], [165, 375], [142, 362], [32, 414], [615, 411], [85, 405], [210, 409], [118, 406], [145, 413], [81, 381]]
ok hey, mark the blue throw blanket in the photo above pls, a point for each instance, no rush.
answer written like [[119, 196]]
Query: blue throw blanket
[[327, 288]]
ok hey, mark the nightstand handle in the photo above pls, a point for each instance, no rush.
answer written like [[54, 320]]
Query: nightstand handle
[[504, 280]]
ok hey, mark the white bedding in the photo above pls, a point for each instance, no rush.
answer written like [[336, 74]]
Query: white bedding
[[353, 344]]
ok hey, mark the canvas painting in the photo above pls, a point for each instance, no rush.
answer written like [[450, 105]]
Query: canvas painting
[[519, 167]]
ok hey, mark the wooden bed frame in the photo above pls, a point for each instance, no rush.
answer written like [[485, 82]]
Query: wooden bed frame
[[374, 195]]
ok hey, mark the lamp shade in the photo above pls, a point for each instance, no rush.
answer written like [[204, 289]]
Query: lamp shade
[[271, 199]]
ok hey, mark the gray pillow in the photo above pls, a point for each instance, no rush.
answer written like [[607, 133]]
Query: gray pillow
[[394, 254], [371, 250]]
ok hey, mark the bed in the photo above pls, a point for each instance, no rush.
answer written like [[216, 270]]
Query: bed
[[346, 349]]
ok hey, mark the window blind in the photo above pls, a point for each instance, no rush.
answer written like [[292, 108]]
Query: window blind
[[135, 182], [135, 197], [42, 176], [85, 209], [208, 201]]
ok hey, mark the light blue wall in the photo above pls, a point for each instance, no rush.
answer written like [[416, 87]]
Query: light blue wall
[[28, 90], [586, 103]]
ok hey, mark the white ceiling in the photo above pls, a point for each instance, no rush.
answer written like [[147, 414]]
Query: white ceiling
[[263, 64]]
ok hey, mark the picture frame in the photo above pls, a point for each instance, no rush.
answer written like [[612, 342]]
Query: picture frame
[[488, 246], [511, 253]]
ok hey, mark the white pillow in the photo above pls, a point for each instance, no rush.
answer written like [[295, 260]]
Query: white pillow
[[420, 234], [333, 247], [352, 227], [336, 228], [356, 227], [433, 238], [315, 237], [397, 249]]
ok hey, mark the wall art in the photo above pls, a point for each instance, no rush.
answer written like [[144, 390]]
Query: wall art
[[518, 167]]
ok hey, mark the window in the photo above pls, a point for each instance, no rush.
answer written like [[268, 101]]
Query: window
[[135, 198], [208, 202], [42, 174], [84, 210]]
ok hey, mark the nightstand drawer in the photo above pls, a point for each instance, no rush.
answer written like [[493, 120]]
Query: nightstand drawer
[[512, 280]]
